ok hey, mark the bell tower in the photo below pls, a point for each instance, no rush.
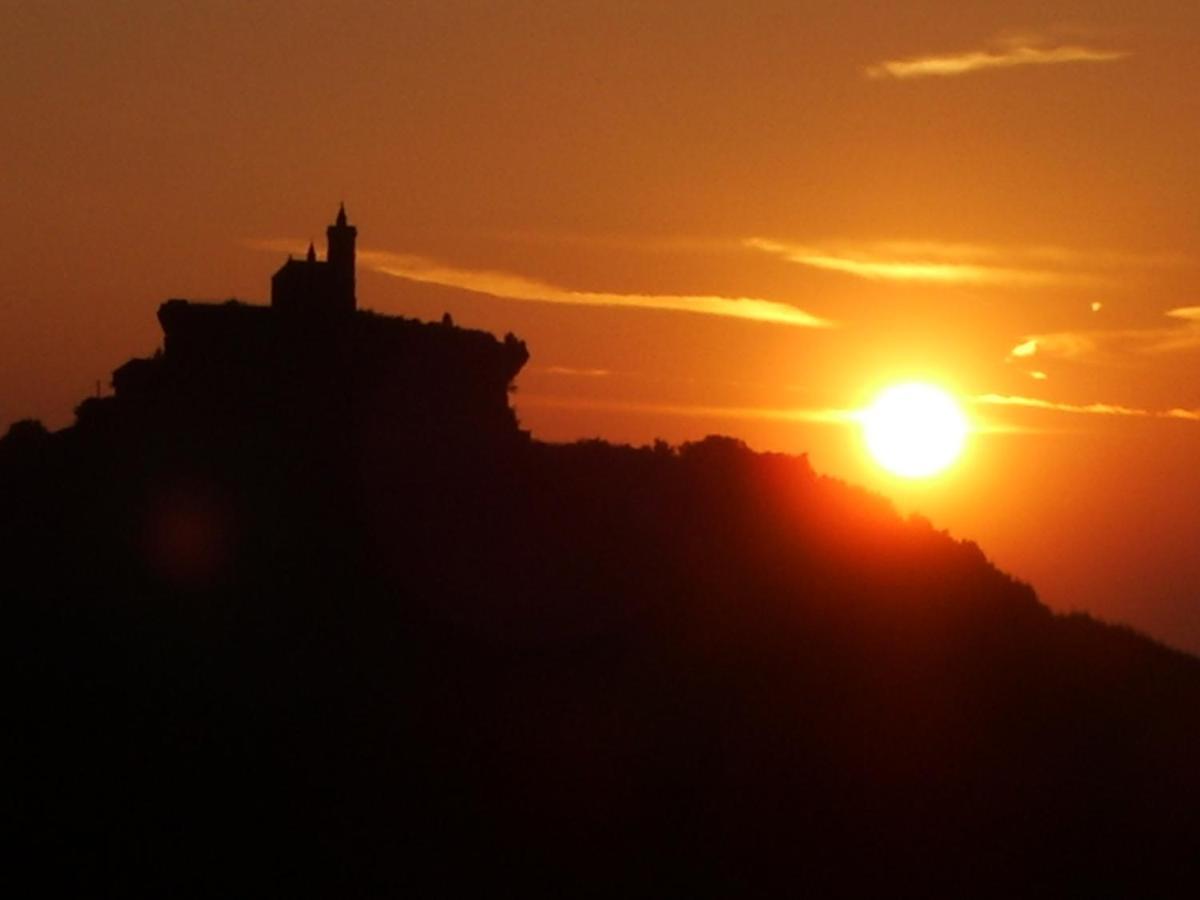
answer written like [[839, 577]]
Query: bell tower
[[339, 254]]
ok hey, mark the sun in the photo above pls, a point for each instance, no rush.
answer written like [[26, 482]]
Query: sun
[[914, 430]]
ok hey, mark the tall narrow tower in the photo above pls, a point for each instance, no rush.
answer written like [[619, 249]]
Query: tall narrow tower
[[339, 253]]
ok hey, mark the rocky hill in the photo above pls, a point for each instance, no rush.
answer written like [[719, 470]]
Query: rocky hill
[[307, 618]]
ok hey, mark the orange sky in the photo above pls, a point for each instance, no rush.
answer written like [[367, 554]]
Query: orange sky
[[703, 217]]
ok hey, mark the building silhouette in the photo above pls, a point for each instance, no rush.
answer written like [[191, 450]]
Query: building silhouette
[[312, 349], [315, 286]]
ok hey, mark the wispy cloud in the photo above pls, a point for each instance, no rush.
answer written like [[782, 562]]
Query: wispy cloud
[[928, 262], [830, 416], [510, 286], [573, 371], [1007, 53], [1104, 409], [635, 243], [1100, 345], [925, 253], [519, 287], [692, 411], [1099, 409]]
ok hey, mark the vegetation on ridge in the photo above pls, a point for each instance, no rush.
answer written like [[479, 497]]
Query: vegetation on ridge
[[329, 645]]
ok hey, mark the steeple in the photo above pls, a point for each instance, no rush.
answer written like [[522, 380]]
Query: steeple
[[312, 253], [340, 258]]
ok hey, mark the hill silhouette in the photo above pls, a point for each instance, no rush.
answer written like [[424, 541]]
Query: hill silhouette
[[300, 608]]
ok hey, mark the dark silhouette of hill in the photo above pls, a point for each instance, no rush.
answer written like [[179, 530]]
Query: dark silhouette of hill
[[300, 609]]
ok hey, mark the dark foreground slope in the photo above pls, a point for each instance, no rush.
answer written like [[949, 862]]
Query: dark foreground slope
[[371, 657]]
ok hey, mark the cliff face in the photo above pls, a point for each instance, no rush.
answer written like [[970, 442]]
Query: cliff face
[[237, 360]]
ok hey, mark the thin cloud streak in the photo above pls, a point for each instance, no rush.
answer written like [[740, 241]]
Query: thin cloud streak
[[839, 417], [517, 287], [1099, 409], [573, 371], [633, 243], [508, 286], [821, 416], [835, 416], [929, 263], [929, 251], [965, 62]]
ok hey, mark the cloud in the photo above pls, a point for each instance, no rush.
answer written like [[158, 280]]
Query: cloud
[[928, 262], [927, 253], [518, 287], [573, 371], [1098, 346], [635, 243], [1061, 344], [830, 416], [1031, 50], [509, 286], [821, 416], [1106, 409], [1099, 409]]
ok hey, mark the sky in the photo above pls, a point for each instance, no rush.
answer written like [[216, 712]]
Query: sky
[[735, 218]]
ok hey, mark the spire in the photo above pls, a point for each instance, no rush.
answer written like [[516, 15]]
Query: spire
[[312, 253], [340, 239]]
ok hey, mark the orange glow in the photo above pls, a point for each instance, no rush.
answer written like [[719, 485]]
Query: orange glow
[[831, 197]]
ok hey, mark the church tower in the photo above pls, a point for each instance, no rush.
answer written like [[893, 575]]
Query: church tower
[[339, 254]]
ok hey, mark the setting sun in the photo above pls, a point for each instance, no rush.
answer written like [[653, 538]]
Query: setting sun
[[914, 430]]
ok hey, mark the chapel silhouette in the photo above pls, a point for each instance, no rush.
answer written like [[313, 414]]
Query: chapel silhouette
[[312, 349], [311, 285]]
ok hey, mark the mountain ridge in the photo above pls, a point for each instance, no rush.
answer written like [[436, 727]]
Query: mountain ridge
[[312, 628]]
